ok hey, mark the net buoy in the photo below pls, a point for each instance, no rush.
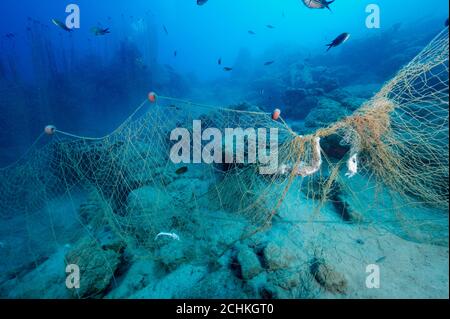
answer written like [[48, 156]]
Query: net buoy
[[50, 129], [152, 97], [276, 114]]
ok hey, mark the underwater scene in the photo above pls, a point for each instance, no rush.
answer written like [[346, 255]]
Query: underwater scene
[[224, 149]]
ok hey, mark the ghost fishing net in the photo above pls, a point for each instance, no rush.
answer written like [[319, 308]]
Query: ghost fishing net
[[395, 148], [402, 132]]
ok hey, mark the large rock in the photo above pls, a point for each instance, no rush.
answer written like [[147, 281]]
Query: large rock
[[172, 254], [365, 91], [221, 284], [44, 280], [249, 263], [299, 102], [141, 273], [334, 147], [327, 83], [353, 103], [142, 164], [179, 284], [188, 190], [300, 75], [327, 112], [327, 276], [292, 95]]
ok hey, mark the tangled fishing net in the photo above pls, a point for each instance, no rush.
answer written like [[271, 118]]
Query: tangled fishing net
[[396, 146]]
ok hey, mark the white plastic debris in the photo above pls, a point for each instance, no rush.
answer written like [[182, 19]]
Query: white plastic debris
[[303, 169], [171, 235], [352, 166]]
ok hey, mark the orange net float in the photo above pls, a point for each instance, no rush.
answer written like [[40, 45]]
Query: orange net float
[[276, 114], [152, 97], [50, 130]]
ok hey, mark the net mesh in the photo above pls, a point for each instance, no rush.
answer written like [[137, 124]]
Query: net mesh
[[127, 182]]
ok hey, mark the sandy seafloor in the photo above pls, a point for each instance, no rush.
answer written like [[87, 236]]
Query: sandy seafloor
[[410, 267]]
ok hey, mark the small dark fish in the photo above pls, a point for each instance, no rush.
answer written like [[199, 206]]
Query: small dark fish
[[173, 106], [61, 25], [175, 53], [270, 26], [446, 22], [269, 62], [219, 62], [165, 30], [201, 2], [181, 170], [10, 35], [338, 41], [360, 241], [251, 32], [227, 69], [318, 4]]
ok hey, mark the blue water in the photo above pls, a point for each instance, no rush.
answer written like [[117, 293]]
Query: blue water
[[82, 77]]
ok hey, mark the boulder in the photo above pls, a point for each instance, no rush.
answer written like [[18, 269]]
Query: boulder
[[277, 257], [172, 254], [339, 94], [300, 75], [327, 83], [334, 147], [285, 279], [179, 284], [353, 103], [149, 212]]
